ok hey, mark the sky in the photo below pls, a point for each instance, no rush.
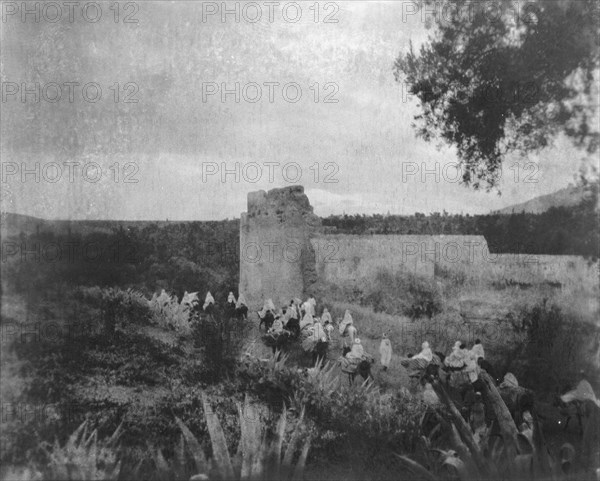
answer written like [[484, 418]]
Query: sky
[[170, 110]]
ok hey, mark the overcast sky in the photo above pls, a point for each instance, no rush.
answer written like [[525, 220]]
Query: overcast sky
[[341, 126]]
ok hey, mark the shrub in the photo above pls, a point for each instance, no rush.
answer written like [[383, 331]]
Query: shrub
[[403, 293], [221, 340], [554, 349], [355, 423], [116, 305], [394, 293]]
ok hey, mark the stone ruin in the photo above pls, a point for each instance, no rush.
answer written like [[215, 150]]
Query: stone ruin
[[277, 260], [285, 253]]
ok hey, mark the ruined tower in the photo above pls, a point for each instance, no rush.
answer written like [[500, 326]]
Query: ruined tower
[[277, 259]]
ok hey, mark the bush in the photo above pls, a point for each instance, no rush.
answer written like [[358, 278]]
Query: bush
[[356, 424], [116, 305], [554, 350], [400, 293], [220, 339]]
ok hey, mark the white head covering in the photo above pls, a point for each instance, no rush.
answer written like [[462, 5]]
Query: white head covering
[[471, 366], [346, 321], [208, 300], [292, 311], [357, 351], [583, 391], [308, 306], [267, 306], [477, 351], [325, 316], [385, 350], [425, 352], [318, 332], [241, 301], [457, 357], [509, 380], [277, 326], [307, 320], [189, 298], [231, 298]]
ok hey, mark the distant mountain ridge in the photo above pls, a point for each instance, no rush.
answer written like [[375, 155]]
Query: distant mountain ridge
[[12, 224], [567, 197]]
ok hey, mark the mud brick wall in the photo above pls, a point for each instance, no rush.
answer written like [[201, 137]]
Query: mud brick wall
[[348, 257], [276, 257]]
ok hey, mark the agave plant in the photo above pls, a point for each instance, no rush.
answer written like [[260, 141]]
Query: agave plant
[[168, 312], [512, 455], [84, 458], [259, 456]]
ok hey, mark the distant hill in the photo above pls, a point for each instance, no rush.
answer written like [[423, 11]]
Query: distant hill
[[13, 224], [567, 197]]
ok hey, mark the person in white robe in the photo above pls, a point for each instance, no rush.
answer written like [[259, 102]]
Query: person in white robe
[[277, 326], [313, 303], [328, 328], [357, 352], [425, 353], [318, 332], [456, 358], [231, 298], [471, 366], [241, 301], [385, 350], [208, 300], [309, 308], [510, 380], [326, 316], [268, 306], [306, 321], [477, 349], [346, 321], [582, 392]]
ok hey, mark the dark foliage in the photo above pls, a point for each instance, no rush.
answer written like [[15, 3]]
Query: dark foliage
[[496, 79], [558, 231]]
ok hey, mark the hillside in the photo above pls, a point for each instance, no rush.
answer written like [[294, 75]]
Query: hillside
[[567, 197]]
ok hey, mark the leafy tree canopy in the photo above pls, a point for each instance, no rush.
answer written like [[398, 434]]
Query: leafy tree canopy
[[506, 76]]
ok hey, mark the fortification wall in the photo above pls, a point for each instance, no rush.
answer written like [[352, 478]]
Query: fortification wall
[[276, 258], [347, 257], [284, 252]]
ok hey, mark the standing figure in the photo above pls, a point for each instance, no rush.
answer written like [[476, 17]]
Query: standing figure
[[241, 308], [347, 328], [328, 328], [319, 338], [209, 303], [293, 319], [230, 306], [385, 350]]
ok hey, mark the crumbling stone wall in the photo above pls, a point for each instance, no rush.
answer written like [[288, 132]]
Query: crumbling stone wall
[[276, 257], [284, 252], [348, 257]]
